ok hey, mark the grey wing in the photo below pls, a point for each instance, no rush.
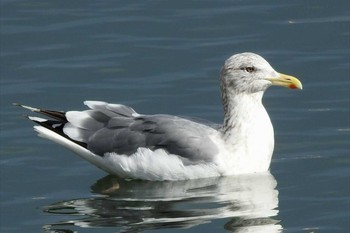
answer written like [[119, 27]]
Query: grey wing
[[118, 128], [176, 135]]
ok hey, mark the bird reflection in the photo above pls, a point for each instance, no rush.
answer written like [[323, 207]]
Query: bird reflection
[[247, 204]]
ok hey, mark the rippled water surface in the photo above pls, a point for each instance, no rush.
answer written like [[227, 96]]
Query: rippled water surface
[[164, 57]]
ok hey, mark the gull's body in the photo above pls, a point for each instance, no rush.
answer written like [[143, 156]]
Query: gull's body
[[162, 147]]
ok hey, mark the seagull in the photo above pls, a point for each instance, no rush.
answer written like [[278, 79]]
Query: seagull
[[122, 142]]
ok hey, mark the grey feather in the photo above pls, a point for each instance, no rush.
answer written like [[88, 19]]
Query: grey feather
[[111, 110], [120, 109], [118, 128], [174, 134]]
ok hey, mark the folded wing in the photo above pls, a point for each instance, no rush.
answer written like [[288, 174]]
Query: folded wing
[[106, 128]]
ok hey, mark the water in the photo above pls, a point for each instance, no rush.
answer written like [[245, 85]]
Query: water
[[164, 57]]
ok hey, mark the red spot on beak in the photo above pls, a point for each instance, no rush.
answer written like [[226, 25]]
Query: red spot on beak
[[292, 86]]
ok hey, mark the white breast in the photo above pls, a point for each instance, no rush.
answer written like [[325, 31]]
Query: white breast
[[249, 145]]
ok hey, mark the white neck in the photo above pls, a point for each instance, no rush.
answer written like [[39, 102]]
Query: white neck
[[247, 129]]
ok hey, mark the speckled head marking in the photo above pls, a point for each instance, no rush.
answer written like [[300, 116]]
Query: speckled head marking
[[247, 72]]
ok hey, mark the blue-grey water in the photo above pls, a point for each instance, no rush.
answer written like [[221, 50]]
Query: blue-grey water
[[164, 57]]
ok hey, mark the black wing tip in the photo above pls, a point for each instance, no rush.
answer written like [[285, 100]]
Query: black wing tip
[[55, 124], [58, 115]]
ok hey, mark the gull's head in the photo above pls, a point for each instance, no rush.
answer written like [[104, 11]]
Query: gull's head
[[250, 73]]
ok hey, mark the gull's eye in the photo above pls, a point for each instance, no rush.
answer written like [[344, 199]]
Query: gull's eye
[[249, 69]]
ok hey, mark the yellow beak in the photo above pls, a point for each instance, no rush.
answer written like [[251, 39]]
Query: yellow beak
[[286, 81]]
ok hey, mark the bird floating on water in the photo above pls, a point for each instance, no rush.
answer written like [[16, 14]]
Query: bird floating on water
[[125, 143]]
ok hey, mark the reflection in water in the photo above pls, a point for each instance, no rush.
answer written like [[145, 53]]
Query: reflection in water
[[247, 203]]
